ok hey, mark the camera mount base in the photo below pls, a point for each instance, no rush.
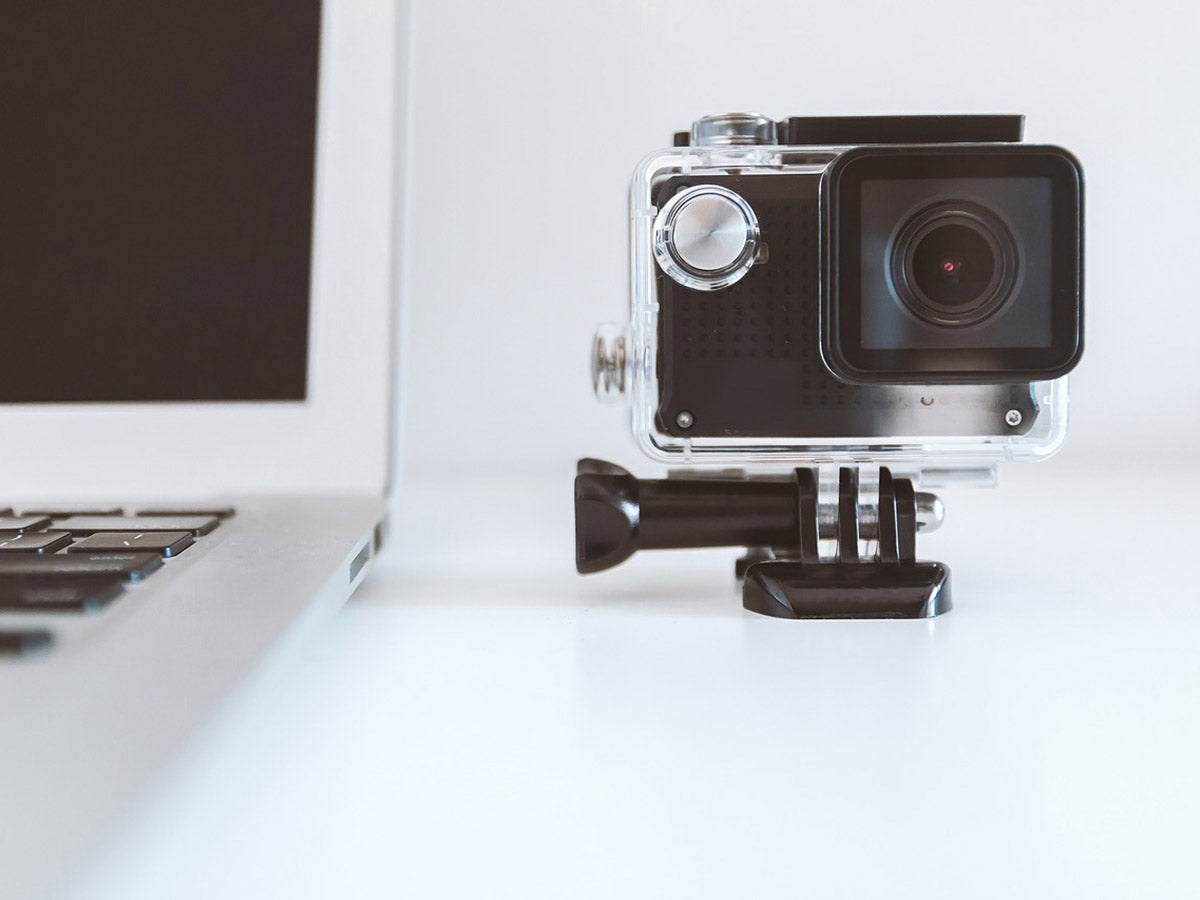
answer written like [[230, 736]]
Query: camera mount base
[[797, 584], [779, 521], [791, 590]]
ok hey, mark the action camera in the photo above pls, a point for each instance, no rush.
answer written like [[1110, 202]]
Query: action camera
[[904, 288], [873, 303]]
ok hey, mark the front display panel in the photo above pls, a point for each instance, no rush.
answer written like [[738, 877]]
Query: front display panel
[[336, 435], [156, 200]]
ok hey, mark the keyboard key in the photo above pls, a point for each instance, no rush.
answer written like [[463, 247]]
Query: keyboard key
[[25, 642], [61, 512], [22, 524], [60, 593], [84, 525], [168, 543], [221, 512], [37, 542], [133, 566]]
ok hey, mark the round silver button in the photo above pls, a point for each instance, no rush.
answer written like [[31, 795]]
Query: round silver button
[[706, 237], [710, 233], [733, 129]]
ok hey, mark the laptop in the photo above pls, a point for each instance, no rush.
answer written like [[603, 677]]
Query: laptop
[[197, 211]]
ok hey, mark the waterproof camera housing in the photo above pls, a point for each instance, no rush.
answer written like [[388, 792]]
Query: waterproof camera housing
[[897, 290]]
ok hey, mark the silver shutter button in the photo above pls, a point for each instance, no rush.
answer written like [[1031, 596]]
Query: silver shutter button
[[733, 129], [706, 237]]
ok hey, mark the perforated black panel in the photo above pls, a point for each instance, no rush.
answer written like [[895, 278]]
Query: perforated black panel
[[745, 361]]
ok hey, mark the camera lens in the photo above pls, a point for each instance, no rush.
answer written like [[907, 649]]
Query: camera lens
[[954, 264]]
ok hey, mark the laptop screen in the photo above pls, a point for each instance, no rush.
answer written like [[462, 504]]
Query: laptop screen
[[156, 199]]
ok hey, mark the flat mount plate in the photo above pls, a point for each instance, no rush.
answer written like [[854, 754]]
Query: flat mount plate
[[792, 590]]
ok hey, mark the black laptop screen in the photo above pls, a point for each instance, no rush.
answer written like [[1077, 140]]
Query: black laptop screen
[[156, 199]]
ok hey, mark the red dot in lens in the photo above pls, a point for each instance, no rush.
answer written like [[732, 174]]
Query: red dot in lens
[[949, 265]]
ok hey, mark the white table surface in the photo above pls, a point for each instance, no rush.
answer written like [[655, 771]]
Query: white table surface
[[482, 722]]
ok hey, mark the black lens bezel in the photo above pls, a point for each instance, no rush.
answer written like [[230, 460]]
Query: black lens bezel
[[841, 305]]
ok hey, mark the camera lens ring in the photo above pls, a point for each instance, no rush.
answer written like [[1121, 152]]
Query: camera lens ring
[[972, 228]]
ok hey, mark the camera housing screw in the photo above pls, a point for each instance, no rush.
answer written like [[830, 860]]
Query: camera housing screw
[[685, 419], [1013, 417], [609, 363]]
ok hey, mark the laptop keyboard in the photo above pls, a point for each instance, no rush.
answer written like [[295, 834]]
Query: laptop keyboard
[[62, 560]]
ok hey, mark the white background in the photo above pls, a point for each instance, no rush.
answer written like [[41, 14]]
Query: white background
[[528, 119]]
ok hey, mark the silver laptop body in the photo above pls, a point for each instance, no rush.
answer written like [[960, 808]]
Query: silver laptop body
[[213, 195]]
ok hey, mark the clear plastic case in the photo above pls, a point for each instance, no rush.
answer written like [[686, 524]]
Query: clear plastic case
[[912, 427]]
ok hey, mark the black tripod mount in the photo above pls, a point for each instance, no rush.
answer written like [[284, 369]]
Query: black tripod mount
[[779, 521]]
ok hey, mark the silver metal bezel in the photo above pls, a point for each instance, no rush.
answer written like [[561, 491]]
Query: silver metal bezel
[[676, 267]]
